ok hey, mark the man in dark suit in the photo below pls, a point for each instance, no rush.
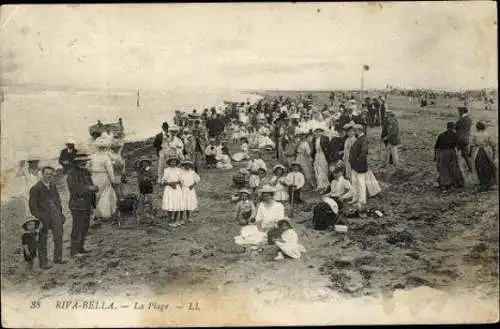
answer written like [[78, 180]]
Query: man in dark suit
[[66, 156], [358, 159], [45, 205], [462, 128], [82, 199], [159, 138]]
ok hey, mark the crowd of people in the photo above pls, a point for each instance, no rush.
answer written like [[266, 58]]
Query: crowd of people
[[319, 150]]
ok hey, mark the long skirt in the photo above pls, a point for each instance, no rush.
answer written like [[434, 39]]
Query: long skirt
[[172, 199], [359, 186], [321, 170], [198, 160], [323, 216], [448, 169], [106, 196], [307, 168], [189, 199], [485, 168]]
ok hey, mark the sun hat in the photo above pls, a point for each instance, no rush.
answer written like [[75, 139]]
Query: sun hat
[[267, 189], [295, 163], [279, 166], [31, 219], [187, 163], [319, 127], [295, 116], [244, 190], [70, 140], [143, 159]]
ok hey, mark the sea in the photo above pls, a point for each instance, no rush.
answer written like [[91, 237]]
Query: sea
[[39, 121]]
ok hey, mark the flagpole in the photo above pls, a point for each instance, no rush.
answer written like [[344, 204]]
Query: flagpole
[[362, 81]]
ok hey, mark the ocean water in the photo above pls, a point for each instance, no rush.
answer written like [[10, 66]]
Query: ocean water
[[40, 121]]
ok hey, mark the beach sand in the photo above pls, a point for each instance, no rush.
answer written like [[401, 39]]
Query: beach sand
[[433, 257]]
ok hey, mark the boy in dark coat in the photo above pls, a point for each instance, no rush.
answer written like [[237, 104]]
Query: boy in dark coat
[[29, 241]]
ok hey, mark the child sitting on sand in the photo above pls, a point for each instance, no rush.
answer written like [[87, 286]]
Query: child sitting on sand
[[210, 153], [29, 241], [245, 209], [288, 241], [257, 180], [279, 182], [243, 155], [224, 160]]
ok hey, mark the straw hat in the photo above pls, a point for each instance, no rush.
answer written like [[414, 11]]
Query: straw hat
[[267, 189], [173, 127], [142, 159], [295, 163], [32, 158], [187, 163], [174, 158], [70, 140], [295, 116], [279, 166], [31, 219], [81, 156], [319, 127]]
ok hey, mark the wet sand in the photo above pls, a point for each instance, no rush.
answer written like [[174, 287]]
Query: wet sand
[[432, 251]]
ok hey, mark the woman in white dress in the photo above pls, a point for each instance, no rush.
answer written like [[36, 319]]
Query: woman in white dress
[[189, 178], [104, 178], [30, 172], [267, 215], [320, 163], [304, 157], [172, 201], [119, 168]]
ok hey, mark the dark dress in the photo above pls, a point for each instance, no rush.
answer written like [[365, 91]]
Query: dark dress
[[447, 166], [29, 239], [323, 216]]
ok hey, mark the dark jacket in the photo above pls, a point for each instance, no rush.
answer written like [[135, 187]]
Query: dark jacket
[[462, 128], [335, 149], [157, 142], [80, 198], [65, 155], [393, 132], [45, 204], [446, 140], [358, 157], [324, 141]]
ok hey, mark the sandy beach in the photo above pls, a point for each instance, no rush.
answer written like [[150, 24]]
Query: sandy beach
[[433, 257]]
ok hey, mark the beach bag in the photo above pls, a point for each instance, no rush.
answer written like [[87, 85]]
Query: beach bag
[[372, 186]]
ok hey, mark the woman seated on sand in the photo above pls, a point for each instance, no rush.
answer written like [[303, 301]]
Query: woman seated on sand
[[268, 214]]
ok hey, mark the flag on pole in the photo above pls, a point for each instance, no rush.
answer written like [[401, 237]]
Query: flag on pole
[[366, 67]]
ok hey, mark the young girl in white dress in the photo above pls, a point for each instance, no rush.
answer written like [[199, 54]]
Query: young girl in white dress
[[288, 241], [189, 178], [279, 182], [172, 195]]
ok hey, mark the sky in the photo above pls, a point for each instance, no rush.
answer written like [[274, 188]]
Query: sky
[[445, 45]]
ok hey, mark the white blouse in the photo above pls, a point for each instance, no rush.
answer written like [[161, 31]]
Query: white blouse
[[268, 215], [296, 178]]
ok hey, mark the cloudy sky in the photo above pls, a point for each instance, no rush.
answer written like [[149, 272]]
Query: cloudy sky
[[251, 46]]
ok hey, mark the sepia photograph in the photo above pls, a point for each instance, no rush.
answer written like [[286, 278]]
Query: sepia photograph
[[249, 164]]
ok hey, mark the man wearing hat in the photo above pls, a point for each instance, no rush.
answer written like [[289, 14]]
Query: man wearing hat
[[462, 128], [158, 141], [45, 205], [82, 199], [66, 156]]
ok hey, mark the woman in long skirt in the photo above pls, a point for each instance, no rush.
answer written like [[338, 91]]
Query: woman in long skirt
[[483, 151], [449, 173], [320, 163], [103, 177], [304, 158]]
